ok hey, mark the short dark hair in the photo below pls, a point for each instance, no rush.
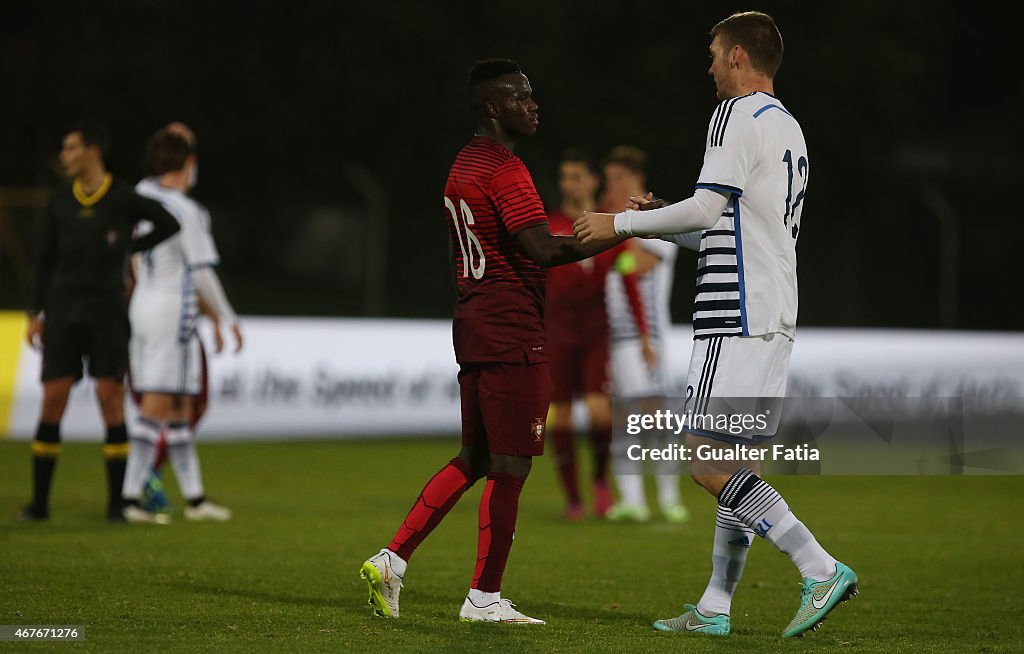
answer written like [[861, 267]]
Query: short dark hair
[[94, 133], [627, 156], [484, 71], [167, 151], [759, 36], [580, 156]]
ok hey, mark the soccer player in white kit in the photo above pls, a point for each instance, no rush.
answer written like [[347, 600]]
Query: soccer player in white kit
[[164, 348], [744, 219], [636, 359]]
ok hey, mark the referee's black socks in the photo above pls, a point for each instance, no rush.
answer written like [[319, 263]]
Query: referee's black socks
[[45, 450], [115, 452]]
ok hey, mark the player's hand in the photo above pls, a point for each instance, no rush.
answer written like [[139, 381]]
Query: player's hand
[[218, 338], [239, 341], [650, 356], [34, 333], [644, 202], [594, 227]]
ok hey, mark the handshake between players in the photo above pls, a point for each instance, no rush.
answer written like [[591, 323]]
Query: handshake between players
[[595, 226]]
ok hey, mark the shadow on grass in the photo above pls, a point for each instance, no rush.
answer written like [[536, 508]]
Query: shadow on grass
[[320, 601], [429, 603]]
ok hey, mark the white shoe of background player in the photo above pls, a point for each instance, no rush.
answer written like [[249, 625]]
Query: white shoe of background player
[[137, 515], [207, 511], [500, 611]]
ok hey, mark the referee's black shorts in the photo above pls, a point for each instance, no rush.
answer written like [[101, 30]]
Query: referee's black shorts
[[99, 341]]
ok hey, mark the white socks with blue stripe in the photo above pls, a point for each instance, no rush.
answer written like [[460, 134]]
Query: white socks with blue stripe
[[181, 450], [144, 436], [732, 542], [759, 506]]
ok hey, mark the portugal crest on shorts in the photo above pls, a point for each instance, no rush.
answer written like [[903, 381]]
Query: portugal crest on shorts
[[538, 430]]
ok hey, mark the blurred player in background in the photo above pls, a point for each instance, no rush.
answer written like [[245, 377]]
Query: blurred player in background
[[165, 349], [500, 245], [154, 499], [77, 303], [637, 349], [744, 218], [577, 332]]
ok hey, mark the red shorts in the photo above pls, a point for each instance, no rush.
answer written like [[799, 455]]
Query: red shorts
[[577, 368], [505, 406]]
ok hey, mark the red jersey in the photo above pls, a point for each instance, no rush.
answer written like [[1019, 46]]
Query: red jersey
[[499, 314], [575, 296]]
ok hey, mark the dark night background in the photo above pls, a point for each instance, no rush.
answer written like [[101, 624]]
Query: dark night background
[[326, 130]]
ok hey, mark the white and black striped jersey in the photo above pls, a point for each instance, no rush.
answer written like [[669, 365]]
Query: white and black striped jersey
[[746, 271], [655, 291], [163, 274]]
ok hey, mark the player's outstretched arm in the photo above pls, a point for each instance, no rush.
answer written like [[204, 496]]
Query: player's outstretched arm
[[44, 255], [645, 202], [164, 224], [211, 315], [688, 240], [548, 250], [212, 293], [594, 227], [34, 332], [701, 211]]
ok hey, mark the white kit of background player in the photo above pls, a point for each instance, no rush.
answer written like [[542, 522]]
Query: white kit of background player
[[165, 348]]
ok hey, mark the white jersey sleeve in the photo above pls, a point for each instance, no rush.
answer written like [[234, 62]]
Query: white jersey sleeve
[[732, 148], [196, 241], [659, 248], [688, 240], [700, 211]]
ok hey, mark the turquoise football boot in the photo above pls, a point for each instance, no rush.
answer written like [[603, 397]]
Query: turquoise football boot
[[694, 622], [817, 598]]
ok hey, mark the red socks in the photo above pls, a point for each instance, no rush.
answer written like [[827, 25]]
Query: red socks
[[601, 437], [161, 449], [498, 508], [435, 501], [565, 460]]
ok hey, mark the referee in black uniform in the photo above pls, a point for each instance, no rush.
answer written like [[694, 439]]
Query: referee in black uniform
[[78, 310]]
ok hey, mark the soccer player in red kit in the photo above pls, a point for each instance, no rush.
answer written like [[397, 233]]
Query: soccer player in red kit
[[577, 331], [500, 245]]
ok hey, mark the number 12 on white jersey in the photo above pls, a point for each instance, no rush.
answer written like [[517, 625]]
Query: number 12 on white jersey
[[793, 204]]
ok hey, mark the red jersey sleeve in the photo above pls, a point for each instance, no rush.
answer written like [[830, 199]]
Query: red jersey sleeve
[[516, 198], [636, 302], [605, 262]]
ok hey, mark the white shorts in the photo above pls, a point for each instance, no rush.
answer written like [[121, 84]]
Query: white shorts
[[751, 369], [630, 375], [164, 350]]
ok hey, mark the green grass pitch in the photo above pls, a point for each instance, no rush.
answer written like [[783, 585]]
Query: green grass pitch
[[938, 558]]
